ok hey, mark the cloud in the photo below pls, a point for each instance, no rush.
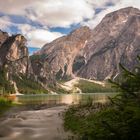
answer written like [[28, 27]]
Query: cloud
[[46, 14], [63, 13], [36, 37], [35, 18], [58, 13], [118, 4], [4, 23], [39, 37]]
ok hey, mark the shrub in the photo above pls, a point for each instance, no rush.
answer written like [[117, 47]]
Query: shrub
[[28, 86], [4, 104], [90, 87]]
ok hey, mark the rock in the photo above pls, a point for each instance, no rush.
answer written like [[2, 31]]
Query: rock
[[15, 61], [60, 53], [14, 55], [115, 40], [91, 54], [42, 71], [96, 54]]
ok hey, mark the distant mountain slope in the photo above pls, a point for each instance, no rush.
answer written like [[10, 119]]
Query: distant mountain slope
[[96, 54], [115, 40], [60, 53], [90, 54]]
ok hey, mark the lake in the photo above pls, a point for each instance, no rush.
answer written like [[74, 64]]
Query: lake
[[64, 98], [43, 123]]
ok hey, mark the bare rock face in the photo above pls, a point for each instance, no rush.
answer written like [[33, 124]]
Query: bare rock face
[[16, 63], [42, 71], [60, 54], [115, 40], [96, 54], [14, 56]]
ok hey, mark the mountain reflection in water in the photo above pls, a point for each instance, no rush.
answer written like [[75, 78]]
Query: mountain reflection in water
[[64, 98]]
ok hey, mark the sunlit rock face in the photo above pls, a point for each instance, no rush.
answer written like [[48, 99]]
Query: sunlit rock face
[[115, 40], [42, 71], [61, 53], [14, 55], [96, 54], [15, 61]]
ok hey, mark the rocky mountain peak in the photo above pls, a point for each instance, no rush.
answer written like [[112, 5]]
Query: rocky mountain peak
[[60, 53], [114, 22], [80, 33], [14, 54], [115, 40], [95, 54]]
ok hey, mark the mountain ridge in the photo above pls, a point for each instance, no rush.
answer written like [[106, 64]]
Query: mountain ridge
[[102, 50], [86, 53]]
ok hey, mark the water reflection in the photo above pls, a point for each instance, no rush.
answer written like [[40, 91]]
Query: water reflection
[[64, 98]]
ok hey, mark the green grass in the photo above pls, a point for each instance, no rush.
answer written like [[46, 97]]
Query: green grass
[[108, 123], [5, 104], [90, 87], [28, 86], [5, 84], [58, 89], [117, 120]]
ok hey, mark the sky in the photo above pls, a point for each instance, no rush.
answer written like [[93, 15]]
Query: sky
[[42, 21]]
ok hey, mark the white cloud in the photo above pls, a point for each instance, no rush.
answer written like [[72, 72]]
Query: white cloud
[[36, 37], [5, 23], [39, 37], [51, 13], [62, 13], [55, 13], [118, 5]]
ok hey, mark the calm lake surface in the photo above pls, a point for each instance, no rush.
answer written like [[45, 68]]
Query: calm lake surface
[[43, 123], [64, 98]]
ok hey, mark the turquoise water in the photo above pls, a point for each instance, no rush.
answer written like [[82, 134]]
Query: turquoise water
[[64, 98]]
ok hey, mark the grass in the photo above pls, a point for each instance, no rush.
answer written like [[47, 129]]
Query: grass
[[98, 122], [28, 86], [90, 87], [58, 89], [5, 104], [118, 120], [4, 83]]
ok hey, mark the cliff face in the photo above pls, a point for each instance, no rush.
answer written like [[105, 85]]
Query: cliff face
[[42, 71], [60, 54], [115, 40], [16, 74], [14, 55], [92, 54], [96, 54]]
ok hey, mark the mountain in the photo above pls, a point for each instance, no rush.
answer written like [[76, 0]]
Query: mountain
[[96, 54], [14, 55], [15, 66], [115, 40], [60, 53], [87, 53]]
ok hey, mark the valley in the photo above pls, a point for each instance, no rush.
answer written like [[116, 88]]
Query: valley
[[84, 85]]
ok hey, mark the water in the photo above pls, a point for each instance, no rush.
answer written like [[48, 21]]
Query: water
[[43, 124], [64, 98]]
